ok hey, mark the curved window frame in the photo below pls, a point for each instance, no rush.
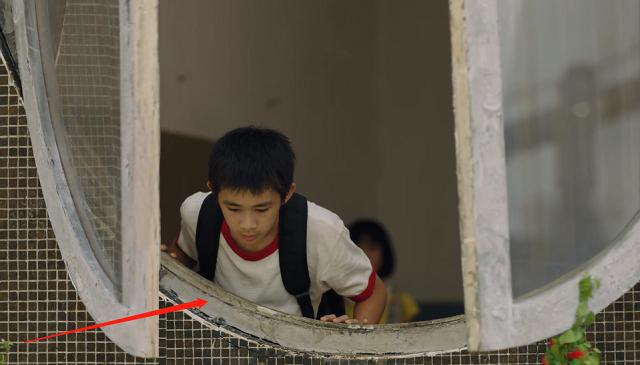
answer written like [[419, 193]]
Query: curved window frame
[[303, 334], [140, 152], [494, 319]]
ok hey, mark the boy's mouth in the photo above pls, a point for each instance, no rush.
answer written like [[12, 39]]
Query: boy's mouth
[[248, 238]]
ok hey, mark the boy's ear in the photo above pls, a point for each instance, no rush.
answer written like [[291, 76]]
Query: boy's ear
[[209, 185], [292, 190]]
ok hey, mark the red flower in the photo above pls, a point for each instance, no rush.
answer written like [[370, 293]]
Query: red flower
[[544, 360], [575, 354]]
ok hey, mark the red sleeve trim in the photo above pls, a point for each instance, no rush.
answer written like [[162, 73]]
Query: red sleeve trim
[[368, 291]]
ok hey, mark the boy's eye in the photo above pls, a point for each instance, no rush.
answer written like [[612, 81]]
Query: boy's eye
[[259, 210]]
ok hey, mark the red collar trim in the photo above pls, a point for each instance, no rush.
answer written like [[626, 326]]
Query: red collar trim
[[246, 255]]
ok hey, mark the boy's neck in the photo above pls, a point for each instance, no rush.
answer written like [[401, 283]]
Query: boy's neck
[[268, 242]]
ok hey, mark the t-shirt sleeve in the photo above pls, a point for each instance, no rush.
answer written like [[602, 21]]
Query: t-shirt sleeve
[[188, 222], [346, 269]]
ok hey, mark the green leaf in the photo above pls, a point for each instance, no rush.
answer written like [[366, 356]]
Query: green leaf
[[591, 360], [582, 347], [583, 310], [589, 320], [586, 288], [570, 336], [5, 346]]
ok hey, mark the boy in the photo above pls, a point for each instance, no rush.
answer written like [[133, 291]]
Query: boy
[[251, 178]]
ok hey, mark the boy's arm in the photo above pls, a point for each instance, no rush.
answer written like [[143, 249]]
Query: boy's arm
[[370, 310], [176, 252], [348, 271], [189, 212]]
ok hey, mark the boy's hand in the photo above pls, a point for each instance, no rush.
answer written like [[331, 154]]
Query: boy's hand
[[342, 319], [170, 249], [174, 251]]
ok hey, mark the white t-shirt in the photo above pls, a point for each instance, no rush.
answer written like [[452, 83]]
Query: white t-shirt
[[334, 261]]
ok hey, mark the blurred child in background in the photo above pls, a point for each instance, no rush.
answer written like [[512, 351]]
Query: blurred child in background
[[374, 240]]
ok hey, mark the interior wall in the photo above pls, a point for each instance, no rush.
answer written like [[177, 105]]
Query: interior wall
[[362, 89], [417, 188], [301, 67]]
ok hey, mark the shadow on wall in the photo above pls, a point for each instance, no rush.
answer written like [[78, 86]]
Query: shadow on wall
[[593, 179], [179, 177]]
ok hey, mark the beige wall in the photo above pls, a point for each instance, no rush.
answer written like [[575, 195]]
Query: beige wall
[[417, 192], [363, 90]]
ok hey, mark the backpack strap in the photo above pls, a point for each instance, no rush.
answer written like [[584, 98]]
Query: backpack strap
[[294, 268], [293, 252], [208, 235]]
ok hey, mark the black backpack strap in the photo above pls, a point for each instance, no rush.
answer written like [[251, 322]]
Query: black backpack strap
[[208, 235], [293, 252]]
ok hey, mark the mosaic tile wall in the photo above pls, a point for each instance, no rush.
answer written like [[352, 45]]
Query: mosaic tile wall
[[37, 297]]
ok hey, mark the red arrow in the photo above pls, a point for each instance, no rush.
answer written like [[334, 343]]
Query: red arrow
[[193, 304]]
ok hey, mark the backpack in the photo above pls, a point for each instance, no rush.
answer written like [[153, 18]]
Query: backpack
[[292, 251]]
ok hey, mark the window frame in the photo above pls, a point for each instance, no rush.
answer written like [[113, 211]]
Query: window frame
[[302, 334], [495, 320], [140, 135]]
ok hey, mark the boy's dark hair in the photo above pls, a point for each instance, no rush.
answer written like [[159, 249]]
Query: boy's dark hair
[[378, 235], [253, 159]]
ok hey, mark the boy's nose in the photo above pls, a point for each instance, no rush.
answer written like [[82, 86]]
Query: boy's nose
[[248, 222]]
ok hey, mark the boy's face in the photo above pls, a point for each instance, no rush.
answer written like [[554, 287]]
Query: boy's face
[[252, 218]]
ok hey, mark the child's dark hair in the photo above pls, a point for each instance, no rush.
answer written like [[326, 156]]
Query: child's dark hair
[[376, 233], [253, 159]]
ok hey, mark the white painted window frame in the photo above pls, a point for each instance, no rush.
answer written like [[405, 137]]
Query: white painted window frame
[[302, 334], [140, 151], [494, 319]]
